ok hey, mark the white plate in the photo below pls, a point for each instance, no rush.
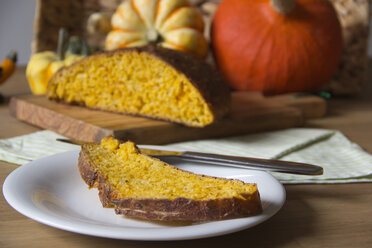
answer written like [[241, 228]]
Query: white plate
[[51, 191]]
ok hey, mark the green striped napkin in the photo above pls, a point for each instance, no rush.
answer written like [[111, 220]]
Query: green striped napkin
[[342, 160]]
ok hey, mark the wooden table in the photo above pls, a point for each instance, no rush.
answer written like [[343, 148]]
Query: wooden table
[[337, 215]]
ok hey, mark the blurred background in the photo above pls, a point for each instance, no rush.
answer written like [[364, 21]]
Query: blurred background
[[16, 28], [16, 22]]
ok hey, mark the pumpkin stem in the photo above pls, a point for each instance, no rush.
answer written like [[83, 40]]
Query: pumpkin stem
[[153, 37], [283, 7], [84, 48], [12, 56], [74, 45], [62, 37]]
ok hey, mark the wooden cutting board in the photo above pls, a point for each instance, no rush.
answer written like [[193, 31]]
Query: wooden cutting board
[[251, 112]]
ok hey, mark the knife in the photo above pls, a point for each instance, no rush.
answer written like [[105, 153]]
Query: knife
[[227, 160]]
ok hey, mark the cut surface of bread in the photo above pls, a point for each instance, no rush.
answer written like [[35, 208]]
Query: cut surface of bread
[[150, 81], [141, 186]]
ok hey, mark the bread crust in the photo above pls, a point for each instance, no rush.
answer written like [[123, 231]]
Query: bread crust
[[182, 209], [205, 78], [179, 209], [93, 178]]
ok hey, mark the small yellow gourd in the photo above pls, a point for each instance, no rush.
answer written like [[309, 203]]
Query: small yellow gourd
[[43, 65], [7, 66], [173, 24]]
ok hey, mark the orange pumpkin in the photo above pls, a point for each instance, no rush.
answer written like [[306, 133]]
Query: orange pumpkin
[[276, 46]]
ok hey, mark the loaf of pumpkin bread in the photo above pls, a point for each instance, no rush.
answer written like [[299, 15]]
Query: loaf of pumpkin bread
[[148, 81], [140, 186]]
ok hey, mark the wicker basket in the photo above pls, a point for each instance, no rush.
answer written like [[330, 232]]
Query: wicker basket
[[73, 15]]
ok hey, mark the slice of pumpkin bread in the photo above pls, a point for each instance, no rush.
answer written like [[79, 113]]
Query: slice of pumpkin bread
[[148, 81], [144, 187]]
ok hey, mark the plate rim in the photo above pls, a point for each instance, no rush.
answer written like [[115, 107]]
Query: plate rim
[[126, 234]]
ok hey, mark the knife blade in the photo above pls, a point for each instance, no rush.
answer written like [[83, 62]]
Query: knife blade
[[227, 160], [235, 161]]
